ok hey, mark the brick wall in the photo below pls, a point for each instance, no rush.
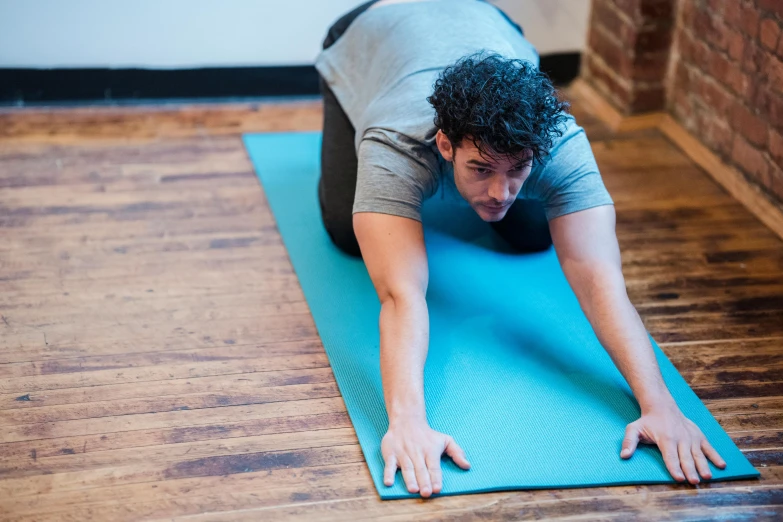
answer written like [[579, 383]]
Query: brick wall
[[628, 51], [715, 65], [726, 83]]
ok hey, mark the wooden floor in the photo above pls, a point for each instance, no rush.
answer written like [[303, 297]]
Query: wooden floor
[[158, 360]]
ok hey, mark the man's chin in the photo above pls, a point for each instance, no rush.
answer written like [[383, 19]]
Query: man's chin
[[490, 215]]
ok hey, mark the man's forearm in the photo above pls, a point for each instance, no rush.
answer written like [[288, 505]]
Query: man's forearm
[[622, 333], [404, 326]]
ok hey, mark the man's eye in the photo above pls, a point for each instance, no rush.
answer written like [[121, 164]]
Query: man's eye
[[482, 170]]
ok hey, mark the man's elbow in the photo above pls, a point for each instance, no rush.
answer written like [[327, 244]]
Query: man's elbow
[[401, 294]]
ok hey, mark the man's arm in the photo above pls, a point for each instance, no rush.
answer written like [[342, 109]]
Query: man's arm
[[396, 259], [589, 254]]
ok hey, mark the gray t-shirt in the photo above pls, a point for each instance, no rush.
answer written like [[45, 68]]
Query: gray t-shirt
[[383, 68]]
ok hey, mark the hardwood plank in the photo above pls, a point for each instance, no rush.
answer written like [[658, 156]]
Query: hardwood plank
[[16, 452], [162, 420], [250, 476], [27, 385], [180, 460], [207, 348], [118, 125], [272, 483], [189, 401]]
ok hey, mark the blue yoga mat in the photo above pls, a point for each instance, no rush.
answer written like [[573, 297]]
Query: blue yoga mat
[[514, 373]]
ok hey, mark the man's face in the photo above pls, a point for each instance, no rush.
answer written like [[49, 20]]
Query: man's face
[[489, 183]]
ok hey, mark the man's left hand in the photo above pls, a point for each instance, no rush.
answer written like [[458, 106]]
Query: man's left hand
[[684, 447]]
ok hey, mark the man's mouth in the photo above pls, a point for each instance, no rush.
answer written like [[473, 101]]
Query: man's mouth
[[494, 207]]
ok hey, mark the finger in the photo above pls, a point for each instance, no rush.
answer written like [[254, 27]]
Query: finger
[[713, 455], [409, 475], [433, 466], [672, 460], [422, 476], [701, 462], [457, 455], [390, 470], [630, 441], [686, 462]]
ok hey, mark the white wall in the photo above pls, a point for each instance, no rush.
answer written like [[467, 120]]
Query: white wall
[[551, 25], [215, 33]]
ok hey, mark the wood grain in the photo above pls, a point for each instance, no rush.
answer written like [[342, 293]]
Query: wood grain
[[158, 359]]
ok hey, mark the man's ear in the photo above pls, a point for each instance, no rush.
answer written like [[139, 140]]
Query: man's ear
[[444, 146]]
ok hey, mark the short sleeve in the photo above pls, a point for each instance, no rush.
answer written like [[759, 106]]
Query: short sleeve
[[568, 180], [391, 180]]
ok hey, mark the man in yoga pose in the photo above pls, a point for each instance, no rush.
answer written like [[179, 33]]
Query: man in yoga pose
[[422, 96]]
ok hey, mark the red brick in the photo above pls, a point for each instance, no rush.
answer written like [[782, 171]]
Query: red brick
[[749, 21], [732, 12], [715, 132], [608, 16], [752, 57], [749, 125], [713, 94], [776, 146], [774, 71], [688, 13], [648, 99], [683, 77], [631, 8], [736, 44], [611, 52], [650, 68], [657, 10], [692, 50], [609, 83], [770, 105], [642, 11], [657, 38], [776, 175], [716, 6], [729, 74], [680, 106], [773, 6], [751, 161], [709, 29], [769, 32]]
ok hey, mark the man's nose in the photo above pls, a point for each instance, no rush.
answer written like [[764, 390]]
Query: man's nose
[[498, 189]]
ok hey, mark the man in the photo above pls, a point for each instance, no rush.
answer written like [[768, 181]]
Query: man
[[428, 96]]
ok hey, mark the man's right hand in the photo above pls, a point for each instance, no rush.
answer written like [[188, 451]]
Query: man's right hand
[[416, 449]]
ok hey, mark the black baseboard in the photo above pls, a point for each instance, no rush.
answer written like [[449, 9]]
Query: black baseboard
[[562, 68], [40, 86]]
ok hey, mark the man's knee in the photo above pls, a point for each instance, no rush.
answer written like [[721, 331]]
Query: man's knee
[[342, 235], [534, 241], [339, 225], [525, 227]]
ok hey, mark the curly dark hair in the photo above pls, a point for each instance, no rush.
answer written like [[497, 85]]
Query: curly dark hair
[[504, 106]]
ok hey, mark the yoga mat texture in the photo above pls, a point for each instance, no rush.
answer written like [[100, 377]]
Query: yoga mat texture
[[514, 373]]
